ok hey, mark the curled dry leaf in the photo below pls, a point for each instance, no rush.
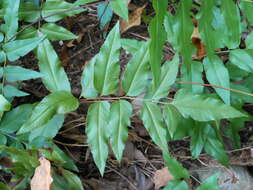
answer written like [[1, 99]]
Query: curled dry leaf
[[134, 19], [196, 41], [162, 177], [71, 44], [42, 178]]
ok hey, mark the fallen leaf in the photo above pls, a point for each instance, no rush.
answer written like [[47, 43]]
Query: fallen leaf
[[162, 177], [134, 19], [196, 41], [42, 178], [71, 43]]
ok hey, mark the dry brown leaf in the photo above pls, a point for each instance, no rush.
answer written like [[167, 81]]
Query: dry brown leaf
[[42, 178], [162, 177], [70, 43], [196, 41], [134, 19]]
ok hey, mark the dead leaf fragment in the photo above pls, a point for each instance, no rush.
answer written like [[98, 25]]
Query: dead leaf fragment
[[196, 41], [162, 177], [71, 44], [134, 19], [42, 178]]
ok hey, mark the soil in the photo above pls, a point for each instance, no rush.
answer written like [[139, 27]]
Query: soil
[[142, 158]]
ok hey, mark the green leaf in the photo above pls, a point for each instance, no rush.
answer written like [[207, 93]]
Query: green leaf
[[160, 8], [232, 20], [97, 132], [156, 44], [59, 183], [198, 139], [176, 185], [74, 182], [2, 56], [4, 104], [60, 102], [59, 9], [11, 18], [87, 80], [248, 82], [219, 34], [217, 74], [59, 158], [183, 29], [193, 75], [120, 7], [35, 2], [210, 183], [214, 147], [203, 108], [249, 40], [12, 91], [17, 73], [4, 187], [15, 118], [28, 32], [29, 12], [107, 68], [186, 124], [130, 45], [247, 7], [232, 131], [235, 73], [238, 99], [242, 59], [49, 130], [120, 114], [152, 119], [156, 48], [172, 118], [105, 14], [175, 168], [168, 77], [24, 161], [170, 27], [3, 140], [135, 78], [18, 48], [1, 37], [83, 2], [55, 32], [55, 78], [207, 32], [66, 180]]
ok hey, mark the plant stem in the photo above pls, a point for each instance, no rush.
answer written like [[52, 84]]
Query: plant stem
[[216, 86]]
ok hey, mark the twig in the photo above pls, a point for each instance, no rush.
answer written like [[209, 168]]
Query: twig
[[240, 149], [124, 177], [69, 129], [122, 98], [216, 86], [72, 145]]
